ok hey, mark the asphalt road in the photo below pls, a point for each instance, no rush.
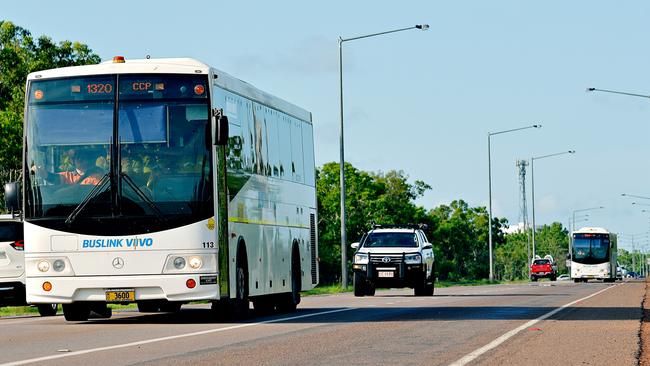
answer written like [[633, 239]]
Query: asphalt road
[[560, 322]]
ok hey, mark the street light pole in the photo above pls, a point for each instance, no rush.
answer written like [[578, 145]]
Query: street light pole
[[532, 181], [344, 260], [489, 135]]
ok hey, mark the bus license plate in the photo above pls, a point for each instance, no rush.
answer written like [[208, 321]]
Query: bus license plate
[[386, 274], [120, 295]]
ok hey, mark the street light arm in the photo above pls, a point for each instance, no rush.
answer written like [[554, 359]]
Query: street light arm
[[419, 26], [550, 155], [618, 92], [635, 196], [588, 209], [514, 129]]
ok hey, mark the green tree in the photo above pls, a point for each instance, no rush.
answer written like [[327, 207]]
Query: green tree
[[510, 259], [460, 238], [21, 54]]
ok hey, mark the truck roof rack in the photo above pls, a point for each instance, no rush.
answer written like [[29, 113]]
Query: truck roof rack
[[400, 226]]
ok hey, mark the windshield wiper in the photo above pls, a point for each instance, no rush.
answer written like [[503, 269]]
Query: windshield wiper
[[92, 194], [143, 196]]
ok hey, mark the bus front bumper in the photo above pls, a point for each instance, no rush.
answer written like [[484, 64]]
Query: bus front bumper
[[65, 290]]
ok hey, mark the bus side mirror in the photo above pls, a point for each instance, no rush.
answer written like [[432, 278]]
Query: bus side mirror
[[221, 128], [12, 196]]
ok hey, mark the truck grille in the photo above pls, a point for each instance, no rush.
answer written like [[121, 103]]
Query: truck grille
[[380, 259]]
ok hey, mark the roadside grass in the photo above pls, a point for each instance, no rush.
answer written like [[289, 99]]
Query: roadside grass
[[18, 310], [327, 290]]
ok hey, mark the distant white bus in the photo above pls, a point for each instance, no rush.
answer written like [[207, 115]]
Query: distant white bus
[[137, 189], [593, 255]]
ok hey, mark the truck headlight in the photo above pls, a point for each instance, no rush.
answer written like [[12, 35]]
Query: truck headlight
[[361, 258], [413, 258]]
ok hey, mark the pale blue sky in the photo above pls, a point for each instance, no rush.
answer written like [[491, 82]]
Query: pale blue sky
[[420, 101]]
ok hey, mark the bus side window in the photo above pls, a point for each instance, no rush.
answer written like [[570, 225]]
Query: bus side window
[[284, 134], [273, 142], [296, 151]]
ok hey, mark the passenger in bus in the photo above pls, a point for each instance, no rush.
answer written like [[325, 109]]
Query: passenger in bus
[[85, 172]]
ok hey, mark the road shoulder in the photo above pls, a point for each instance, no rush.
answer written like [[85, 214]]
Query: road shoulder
[[602, 330]]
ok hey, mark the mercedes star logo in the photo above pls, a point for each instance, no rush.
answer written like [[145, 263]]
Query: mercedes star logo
[[386, 259], [118, 262]]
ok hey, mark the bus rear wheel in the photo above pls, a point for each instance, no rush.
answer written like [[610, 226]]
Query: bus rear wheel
[[288, 302], [77, 311]]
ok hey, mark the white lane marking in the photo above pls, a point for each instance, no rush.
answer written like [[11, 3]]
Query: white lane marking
[[168, 338], [477, 353]]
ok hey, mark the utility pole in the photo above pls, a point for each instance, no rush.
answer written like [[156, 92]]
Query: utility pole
[[523, 207]]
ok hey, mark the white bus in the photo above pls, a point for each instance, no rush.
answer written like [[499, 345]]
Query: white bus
[[593, 255], [138, 189]]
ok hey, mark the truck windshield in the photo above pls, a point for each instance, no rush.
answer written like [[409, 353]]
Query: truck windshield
[[541, 262], [130, 153], [591, 248], [391, 240]]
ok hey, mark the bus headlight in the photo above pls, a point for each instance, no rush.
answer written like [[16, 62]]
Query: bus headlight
[[58, 265], [179, 262], [195, 262], [43, 266], [191, 263]]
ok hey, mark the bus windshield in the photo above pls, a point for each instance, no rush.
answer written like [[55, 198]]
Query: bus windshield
[[591, 248], [118, 154]]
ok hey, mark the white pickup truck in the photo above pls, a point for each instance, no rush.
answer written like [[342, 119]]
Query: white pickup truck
[[391, 256]]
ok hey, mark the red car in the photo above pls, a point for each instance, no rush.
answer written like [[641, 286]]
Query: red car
[[543, 268]]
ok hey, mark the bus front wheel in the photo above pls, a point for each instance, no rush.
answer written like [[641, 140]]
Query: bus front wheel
[[240, 303], [77, 311]]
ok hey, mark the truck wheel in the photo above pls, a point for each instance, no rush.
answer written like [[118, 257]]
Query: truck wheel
[[77, 311], [47, 309], [428, 288], [359, 285], [370, 290], [420, 288], [533, 278]]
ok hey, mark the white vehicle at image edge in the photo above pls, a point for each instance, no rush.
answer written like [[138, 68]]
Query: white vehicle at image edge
[[391, 256], [12, 266]]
